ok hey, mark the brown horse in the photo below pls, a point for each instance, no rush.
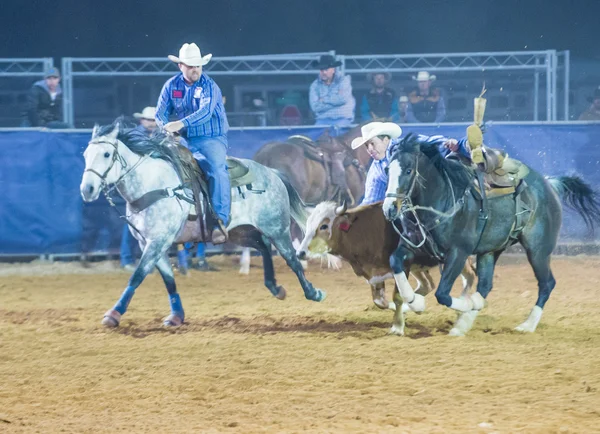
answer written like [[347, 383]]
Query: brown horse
[[310, 177]]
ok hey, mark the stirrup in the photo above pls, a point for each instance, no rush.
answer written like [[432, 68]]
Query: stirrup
[[219, 234]]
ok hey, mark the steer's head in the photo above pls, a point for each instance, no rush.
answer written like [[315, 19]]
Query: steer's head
[[319, 230]]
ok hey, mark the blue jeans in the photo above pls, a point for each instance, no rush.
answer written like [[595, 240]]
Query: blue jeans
[[211, 153], [126, 242]]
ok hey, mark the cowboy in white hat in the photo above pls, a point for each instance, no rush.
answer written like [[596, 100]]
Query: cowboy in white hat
[[425, 103], [147, 121], [197, 102], [379, 138]]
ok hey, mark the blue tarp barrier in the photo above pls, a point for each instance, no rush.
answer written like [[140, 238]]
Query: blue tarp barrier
[[41, 209]]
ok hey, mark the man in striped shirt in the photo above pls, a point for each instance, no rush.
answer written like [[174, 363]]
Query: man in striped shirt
[[379, 138], [196, 100]]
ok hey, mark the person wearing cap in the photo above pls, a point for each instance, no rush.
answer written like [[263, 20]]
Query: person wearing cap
[[593, 112], [330, 95], [381, 101], [425, 103], [380, 138], [44, 104], [197, 102]]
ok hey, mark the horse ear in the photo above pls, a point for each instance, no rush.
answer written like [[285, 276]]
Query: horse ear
[[340, 210], [115, 132], [95, 131]]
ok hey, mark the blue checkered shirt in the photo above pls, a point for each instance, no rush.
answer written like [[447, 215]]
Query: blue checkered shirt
[[377, 178], [333, 101], [199, 106]]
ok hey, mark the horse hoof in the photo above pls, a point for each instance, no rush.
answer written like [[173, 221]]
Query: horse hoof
[[112, 318], [524, 328], [173, 321], [455, 332], [396, 331], [281, 294], [320, 295], [418, 304]]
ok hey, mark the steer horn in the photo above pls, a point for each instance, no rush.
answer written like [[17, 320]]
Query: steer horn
[[340, 210]]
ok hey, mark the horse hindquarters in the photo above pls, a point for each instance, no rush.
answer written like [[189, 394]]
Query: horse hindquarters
[[539, 238], [250, 237]]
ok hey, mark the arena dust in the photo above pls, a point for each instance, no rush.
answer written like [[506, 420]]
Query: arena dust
[[247, 362]]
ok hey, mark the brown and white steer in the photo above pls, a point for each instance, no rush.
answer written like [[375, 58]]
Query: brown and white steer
[[364, 238]]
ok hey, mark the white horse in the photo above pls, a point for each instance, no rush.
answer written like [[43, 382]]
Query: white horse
[[147, 174]]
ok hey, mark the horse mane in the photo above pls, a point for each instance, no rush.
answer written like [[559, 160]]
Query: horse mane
[[458, 174], [158, 145]]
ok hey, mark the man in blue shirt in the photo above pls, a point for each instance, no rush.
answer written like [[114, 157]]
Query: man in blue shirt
[[330, 95], [196, 100], [379, 138]]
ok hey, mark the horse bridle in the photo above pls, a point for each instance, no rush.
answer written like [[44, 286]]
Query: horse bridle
[[405, 205], [115, 156]]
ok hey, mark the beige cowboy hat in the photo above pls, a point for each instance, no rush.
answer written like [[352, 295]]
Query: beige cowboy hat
[[189, 54], [148, 113], [424, 76], [374, 129]]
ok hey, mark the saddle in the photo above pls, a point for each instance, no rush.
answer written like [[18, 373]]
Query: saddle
[[239, 172], [335, 159], [193, 179], [239, 175], [503, 176]]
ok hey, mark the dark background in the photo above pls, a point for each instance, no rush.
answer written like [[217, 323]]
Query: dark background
[[132, 28]]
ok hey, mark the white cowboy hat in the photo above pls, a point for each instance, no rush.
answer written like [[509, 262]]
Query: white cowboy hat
[[424, 76], [374, 129], [148, 113], [190, 55]]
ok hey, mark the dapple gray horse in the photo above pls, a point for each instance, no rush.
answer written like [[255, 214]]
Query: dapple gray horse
[[137, 165]]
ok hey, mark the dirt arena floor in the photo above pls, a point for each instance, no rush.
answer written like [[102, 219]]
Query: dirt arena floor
[[247, 362]]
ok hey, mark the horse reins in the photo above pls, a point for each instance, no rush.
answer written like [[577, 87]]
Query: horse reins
[[406, 206], [106, 190]]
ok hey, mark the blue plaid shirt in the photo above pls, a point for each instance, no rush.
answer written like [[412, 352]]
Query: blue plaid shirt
[[377, 178], [199, 106], [333, 101]]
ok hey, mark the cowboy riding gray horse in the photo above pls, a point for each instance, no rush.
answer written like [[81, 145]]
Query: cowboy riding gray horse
[[153, 175]]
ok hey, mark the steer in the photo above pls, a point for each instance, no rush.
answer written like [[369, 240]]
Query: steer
[[364, 238]]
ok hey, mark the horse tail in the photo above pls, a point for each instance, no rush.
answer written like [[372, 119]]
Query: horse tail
[[579, 195], [297, 205]]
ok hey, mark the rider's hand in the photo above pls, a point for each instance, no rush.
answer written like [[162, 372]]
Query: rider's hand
[[452, 144], [173, 127]]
